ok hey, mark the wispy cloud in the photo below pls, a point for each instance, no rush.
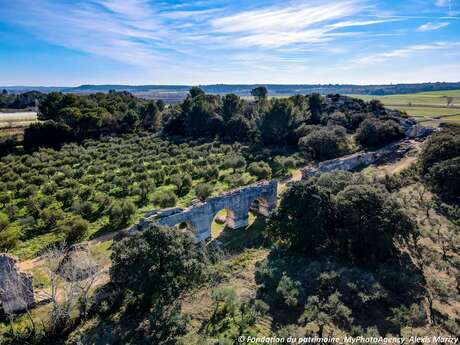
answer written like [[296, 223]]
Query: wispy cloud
[[120, 30], [199, 36], [141, 32], [406, 52], [303, 23], [432, 26]]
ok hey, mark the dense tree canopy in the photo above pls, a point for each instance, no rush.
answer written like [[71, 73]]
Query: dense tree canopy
[[90, 116], [325, 143], [359, 222], [278, 123], [375, 133], [20, 100], [440, 163], [303, 218], [157, 264], [440, 147]]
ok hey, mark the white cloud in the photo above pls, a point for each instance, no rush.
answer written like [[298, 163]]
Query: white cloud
[[192, 14], [205, 37], [431, 26], [122, 30], [304, 23], [442, 3], [406, 52], [293, 18]]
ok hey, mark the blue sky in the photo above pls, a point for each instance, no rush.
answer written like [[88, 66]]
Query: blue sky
[[73, 42]]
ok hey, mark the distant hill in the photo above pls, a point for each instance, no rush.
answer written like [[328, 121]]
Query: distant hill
[[244, 90]]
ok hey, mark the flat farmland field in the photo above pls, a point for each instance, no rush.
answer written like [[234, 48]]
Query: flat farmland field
[[26, 116], [13, 123], [424, 106]]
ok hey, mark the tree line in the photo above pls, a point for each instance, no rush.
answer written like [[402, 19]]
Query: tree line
[[318, 126], [20, 101]]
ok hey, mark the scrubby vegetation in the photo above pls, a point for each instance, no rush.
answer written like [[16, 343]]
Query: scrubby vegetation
[[344, 253]]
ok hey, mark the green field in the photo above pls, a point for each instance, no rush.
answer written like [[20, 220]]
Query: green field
[[427, 105], [14, 122], [26, 116]]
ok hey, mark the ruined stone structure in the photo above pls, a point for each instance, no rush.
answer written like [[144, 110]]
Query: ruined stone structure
[[198, 217], [16, 291], [365, 158], [359, 160], [414, 130]]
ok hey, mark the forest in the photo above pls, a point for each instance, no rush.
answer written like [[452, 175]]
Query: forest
[[345, 253]]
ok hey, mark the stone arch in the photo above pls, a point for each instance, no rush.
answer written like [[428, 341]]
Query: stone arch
[[222, 218], [229, 217], [201, 215]]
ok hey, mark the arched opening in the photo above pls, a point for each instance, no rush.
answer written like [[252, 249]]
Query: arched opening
[[187, 226], [247, 232], [222, 221], [260, 206]]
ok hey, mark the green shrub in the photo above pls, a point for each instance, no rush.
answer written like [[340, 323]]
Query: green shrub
[[375, 133], [75, 229], [325, 143], [120, 212], [157, 264], [260, 170], [164, 198], [203, 191], [9, 233], [444, 177], [289, 291]]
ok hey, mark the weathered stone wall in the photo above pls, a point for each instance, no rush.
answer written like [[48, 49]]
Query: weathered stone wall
[[358, 160], [199, 216], [16, 290], [366, 158]]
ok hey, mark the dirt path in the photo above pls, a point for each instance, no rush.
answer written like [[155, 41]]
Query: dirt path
[[401, 164]]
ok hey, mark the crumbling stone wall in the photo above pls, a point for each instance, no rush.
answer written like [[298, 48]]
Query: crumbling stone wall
[[16, 290], [359, 160], [365, 158], [199, 216]]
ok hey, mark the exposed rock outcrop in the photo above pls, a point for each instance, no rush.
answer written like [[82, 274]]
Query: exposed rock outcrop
[[16, 290], [345, 104]]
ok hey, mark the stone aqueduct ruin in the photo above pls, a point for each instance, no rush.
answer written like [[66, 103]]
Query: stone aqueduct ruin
[[199, 216], [260, 198]]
